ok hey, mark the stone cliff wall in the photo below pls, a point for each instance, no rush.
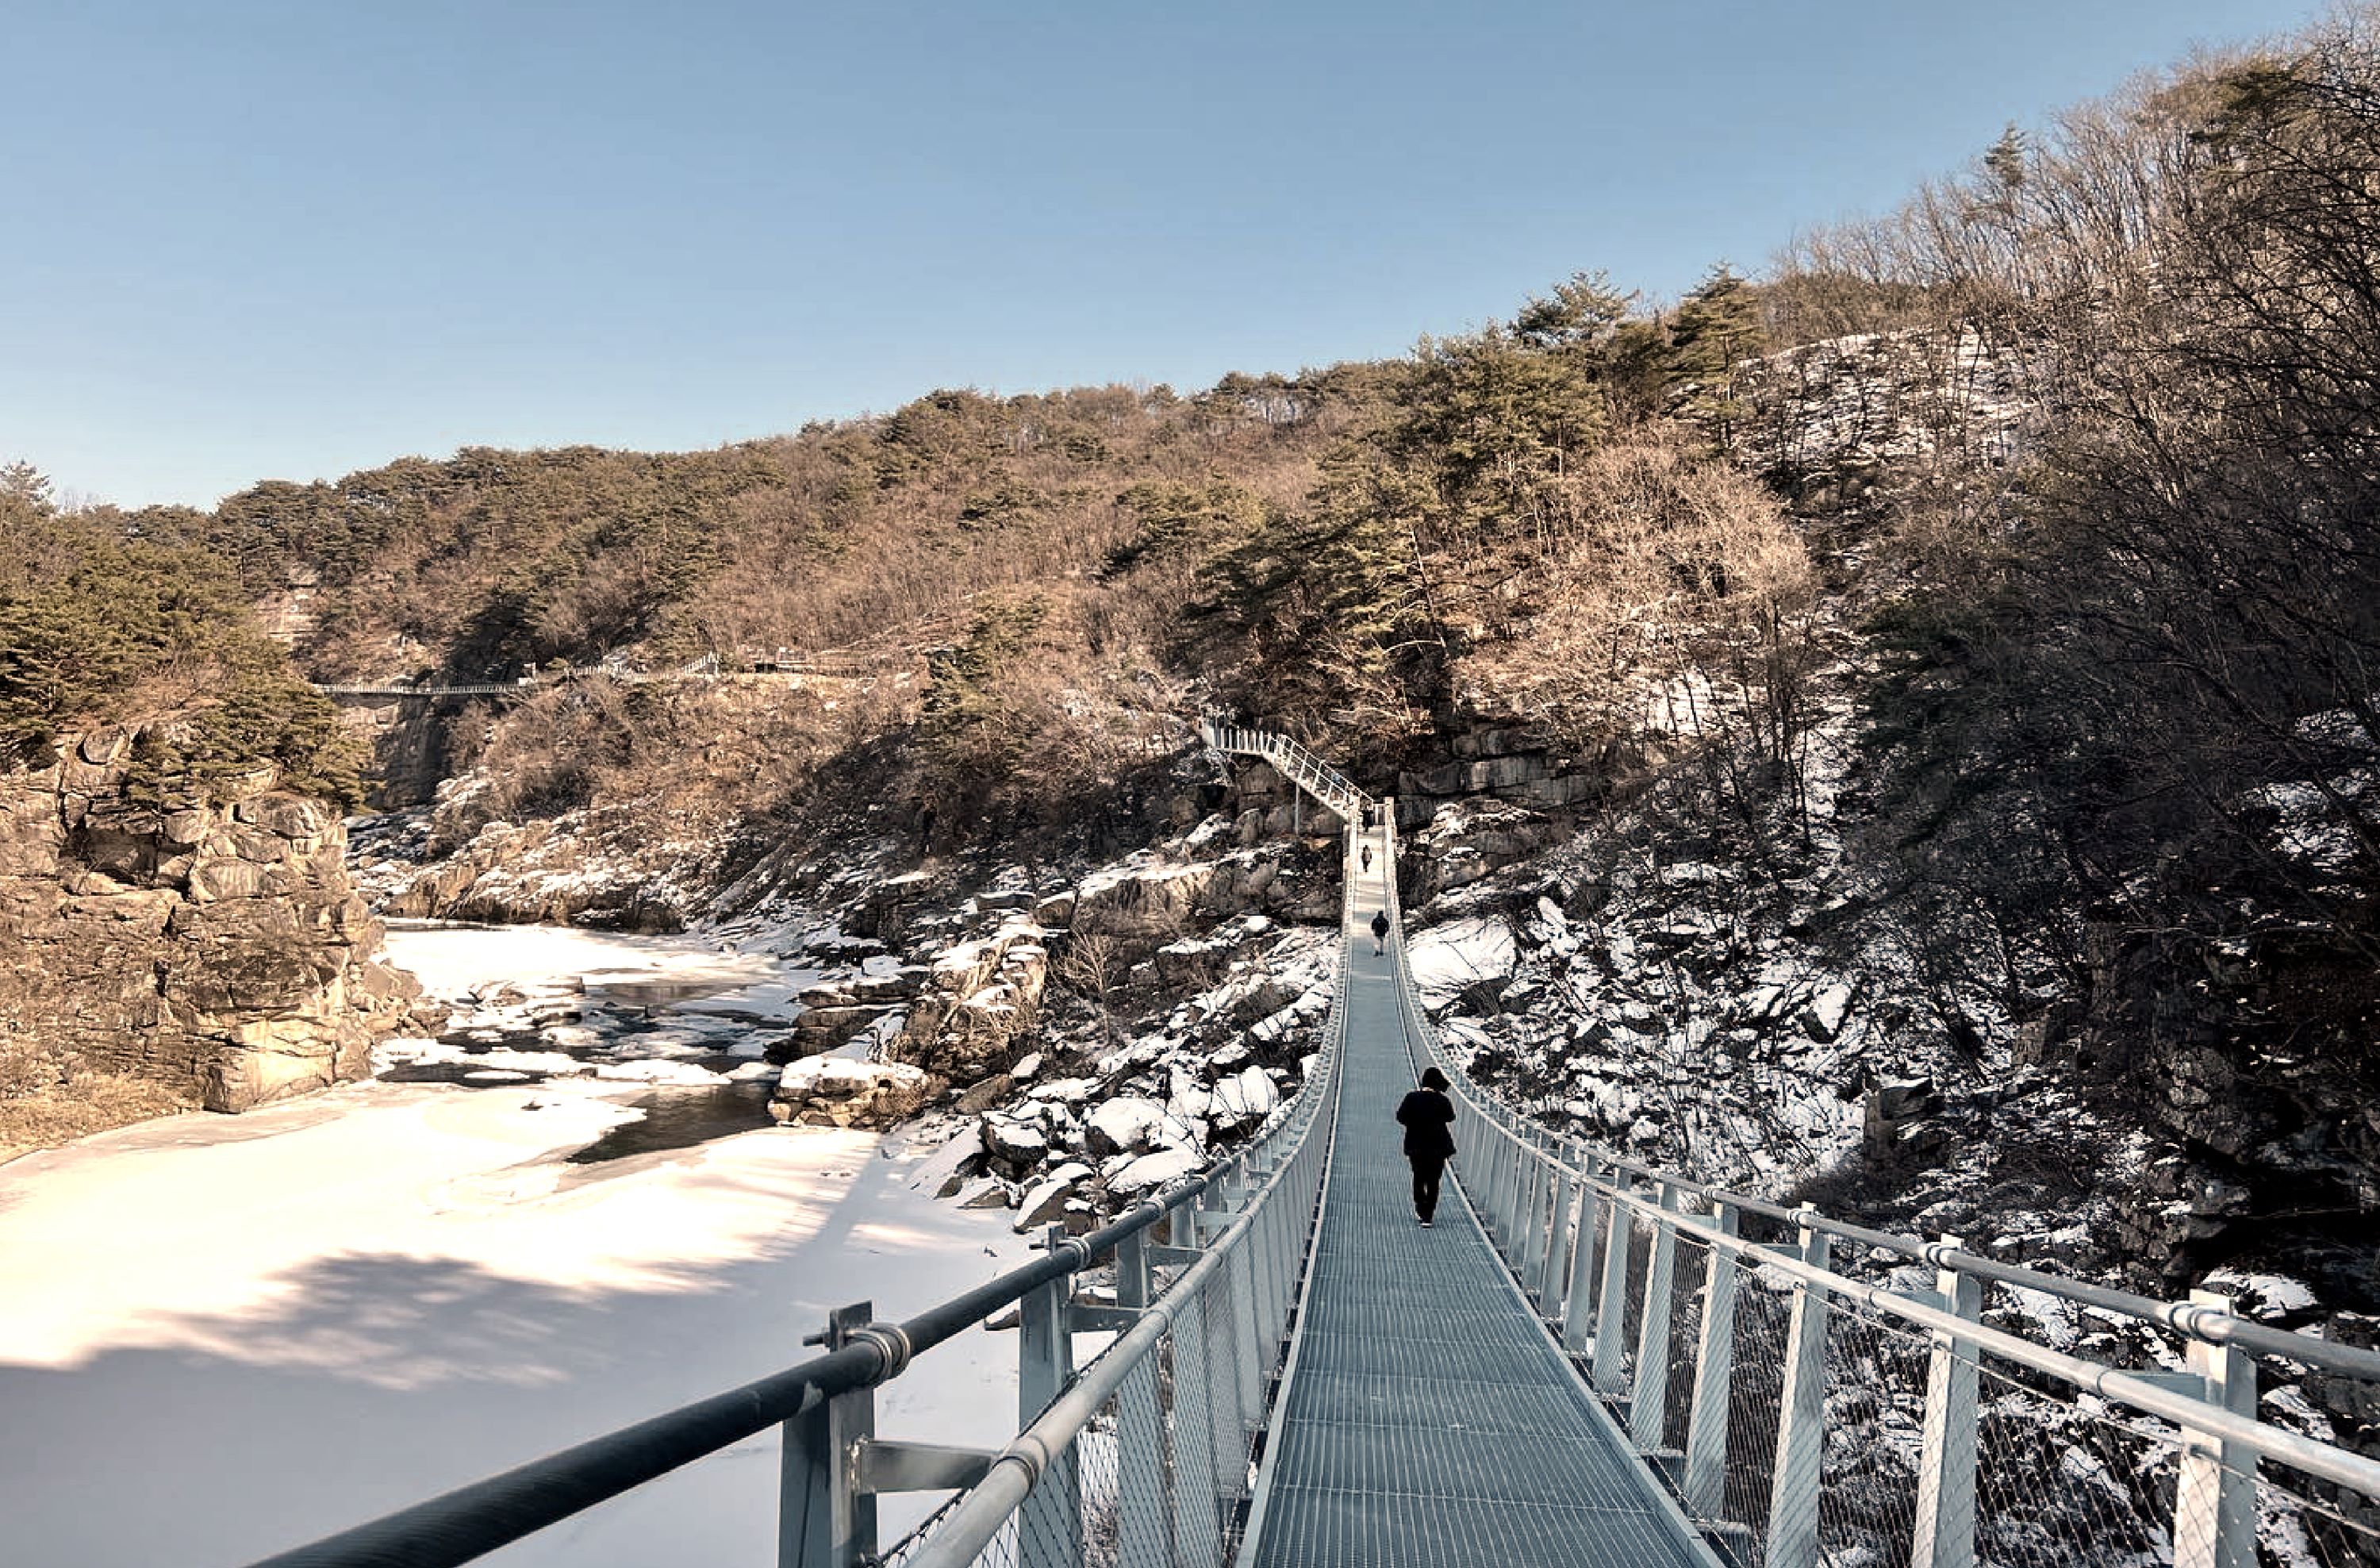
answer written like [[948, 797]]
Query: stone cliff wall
[[211, 941]]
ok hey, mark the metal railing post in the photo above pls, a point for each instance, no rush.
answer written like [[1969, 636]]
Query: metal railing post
[[1240, 1270], [1801, 1418], [1578, 1306], [1533, 1197], [1648, 1400], [1558, 1242], [1051, 1523], [1611, 1310], [1706, 1480], [1945, 1533], [2214, 1505], [1133, 1280], [823, 1519]]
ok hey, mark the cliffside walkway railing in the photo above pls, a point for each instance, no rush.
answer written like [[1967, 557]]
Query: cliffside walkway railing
[[1292, 760], [1806, 1417], [1800, 1414]]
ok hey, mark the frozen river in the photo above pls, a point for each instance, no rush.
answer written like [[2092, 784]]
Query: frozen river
[[221, 1336]]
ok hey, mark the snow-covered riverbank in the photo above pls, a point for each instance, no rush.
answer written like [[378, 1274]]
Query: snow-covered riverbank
[[221, 1336]]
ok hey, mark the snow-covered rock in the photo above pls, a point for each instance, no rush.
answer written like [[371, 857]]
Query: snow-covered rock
[[832, 1091], [1046, 1200], [1126, 1123], [1017, 1145], [1822, 1019], [1450, 959], [1146, 1172], [1248, 1096]]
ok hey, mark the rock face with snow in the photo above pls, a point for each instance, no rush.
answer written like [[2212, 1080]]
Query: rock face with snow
[[828, 1091], [210, 941], [978, 1003]]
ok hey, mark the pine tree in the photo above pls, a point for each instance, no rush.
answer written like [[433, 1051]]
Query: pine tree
[[1717, 328]]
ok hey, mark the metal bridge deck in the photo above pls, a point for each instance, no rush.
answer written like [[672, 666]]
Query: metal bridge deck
[[1429, 1420]]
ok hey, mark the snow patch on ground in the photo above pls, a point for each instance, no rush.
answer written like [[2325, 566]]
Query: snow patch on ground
[[329, 1308]]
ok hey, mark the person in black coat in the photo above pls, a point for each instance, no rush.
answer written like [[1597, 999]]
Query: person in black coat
[[1428, 1119]]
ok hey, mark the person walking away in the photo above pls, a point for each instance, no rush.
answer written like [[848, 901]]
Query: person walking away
[[1381, 932], [1366, 858], [1428, 1119]]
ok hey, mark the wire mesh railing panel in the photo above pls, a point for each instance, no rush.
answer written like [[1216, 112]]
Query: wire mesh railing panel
[[1143, 1524], [1213, 1307], [1756, 1394], [1631, 1326], [1098, 1475], [1187, 1393], [2061, 1479], [2303, 1523], [1874, 1436], [1689, 1276]]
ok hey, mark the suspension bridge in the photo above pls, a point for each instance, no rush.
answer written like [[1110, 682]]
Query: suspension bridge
[[528, 684], [1584, 1362]]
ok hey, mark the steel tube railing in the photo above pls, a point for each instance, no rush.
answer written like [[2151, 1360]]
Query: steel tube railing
[[472, 1520], [2222, 1441], [982, 1513], [1224, 1318], [2189, 1319]]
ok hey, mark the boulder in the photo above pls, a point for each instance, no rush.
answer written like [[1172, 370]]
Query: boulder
[[992, 1092], [984, 1192], [1124, 1123], [1822, 1017], [1015, 1146], [1146, 1172], [1046, 1200], [1249, 1097], [831, 1091]]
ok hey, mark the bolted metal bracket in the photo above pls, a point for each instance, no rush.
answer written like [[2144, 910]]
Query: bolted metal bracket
[[1096, 1318], [2191, 1383], [884, 1466]]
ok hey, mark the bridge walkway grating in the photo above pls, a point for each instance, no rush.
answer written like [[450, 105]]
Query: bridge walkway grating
[[1430, 1420]]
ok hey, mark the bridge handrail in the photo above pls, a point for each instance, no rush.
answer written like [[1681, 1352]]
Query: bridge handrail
[[1531, 1173], [2190, 1319], [1275, 1229], [1294, 760], [477, 1518]]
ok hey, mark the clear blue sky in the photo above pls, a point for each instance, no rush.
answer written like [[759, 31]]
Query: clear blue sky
[[295, 237]]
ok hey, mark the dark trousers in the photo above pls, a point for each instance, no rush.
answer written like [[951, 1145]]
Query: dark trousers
[[1428, 1169]]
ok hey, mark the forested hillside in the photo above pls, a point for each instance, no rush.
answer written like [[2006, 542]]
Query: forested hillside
[[2016, 551]]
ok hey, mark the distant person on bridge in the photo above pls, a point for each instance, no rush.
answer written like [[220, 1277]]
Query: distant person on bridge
[[1381, 932], [1428, 1119], [1366, 859]]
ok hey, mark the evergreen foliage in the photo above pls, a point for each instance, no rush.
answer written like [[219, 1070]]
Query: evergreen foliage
[[98, 625]]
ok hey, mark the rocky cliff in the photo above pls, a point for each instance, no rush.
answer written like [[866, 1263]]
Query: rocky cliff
[[203, 936]]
